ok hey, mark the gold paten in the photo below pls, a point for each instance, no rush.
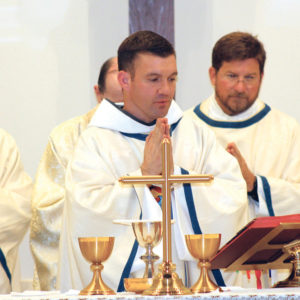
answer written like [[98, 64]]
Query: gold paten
[[293, 280], [96, 250], [137, 285], [203, 247], [166, 282]]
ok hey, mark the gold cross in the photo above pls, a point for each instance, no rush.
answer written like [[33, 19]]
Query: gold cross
[[166, 180]]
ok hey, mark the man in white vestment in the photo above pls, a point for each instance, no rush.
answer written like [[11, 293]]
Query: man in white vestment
[[265, 141], [15, 210], [127, 141], [49, 192]]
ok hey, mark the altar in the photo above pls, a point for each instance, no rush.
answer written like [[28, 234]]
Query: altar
[[263, 244], [229, 293]]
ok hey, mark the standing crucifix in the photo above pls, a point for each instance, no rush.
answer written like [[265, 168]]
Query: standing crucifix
[[167, 281]]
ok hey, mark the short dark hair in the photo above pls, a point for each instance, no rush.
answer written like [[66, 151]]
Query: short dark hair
[[238, 46], [102, 75], [142, 42]]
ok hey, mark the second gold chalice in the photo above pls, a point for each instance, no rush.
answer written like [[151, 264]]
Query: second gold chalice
[[203, 247], [148, 234], [96, 250]]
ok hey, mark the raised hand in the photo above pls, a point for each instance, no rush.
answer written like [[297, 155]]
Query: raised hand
[[247, 174]]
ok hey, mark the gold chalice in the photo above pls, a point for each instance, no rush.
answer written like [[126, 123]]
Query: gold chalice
[[148, 234], [203, 247], [96, 250]]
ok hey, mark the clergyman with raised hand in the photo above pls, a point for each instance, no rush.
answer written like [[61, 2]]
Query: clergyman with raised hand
[[265, 141]]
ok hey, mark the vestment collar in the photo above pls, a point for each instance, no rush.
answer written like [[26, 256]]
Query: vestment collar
[[212, 109], [211, 113], [110, 116]]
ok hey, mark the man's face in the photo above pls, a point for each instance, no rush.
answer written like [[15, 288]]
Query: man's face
[[113, 90], [149, 91], [237, 84]]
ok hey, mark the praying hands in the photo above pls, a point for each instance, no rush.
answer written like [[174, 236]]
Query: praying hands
[[152, 164]]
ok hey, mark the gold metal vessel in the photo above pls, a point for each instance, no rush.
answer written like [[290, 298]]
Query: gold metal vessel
[[203, 247], [148, 234], [137, 285], [96, 250]]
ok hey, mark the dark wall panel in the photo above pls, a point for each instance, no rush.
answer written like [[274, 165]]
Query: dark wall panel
[[154, 15]]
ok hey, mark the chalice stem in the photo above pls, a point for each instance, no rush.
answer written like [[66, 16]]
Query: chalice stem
[[97, 279], [204, 277], [149, 258]]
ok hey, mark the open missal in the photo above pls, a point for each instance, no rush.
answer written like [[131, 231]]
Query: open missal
[[259, 245]]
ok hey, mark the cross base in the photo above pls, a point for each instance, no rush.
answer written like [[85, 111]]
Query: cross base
[[167, 282]]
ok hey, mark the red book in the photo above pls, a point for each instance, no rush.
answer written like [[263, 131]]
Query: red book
[[259, 245]]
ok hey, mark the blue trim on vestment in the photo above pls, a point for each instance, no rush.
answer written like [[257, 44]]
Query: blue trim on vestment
[[190, 204], [142, 137], [4, 265], [195, 224], [128, 266], [267, 191], [238, 124]]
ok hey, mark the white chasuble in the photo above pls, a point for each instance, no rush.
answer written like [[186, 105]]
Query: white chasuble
[[48, 199], [113, 146], [269, 140], [15, 210]]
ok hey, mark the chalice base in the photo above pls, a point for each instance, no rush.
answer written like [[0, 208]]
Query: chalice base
[[92, 290], [167, 284], [204, 284], [97, 287]]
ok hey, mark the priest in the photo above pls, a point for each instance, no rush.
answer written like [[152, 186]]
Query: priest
[[49, 191], [15, 212], [265, 141], [127, 141]]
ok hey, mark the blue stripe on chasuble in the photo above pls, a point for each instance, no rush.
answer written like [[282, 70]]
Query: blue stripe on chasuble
[[238, 124], [195, 224], [4, 265], [267, 191], [128, 266], [142, 137]]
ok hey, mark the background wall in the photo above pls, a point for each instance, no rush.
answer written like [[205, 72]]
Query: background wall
[[51, 51], [200, 24]]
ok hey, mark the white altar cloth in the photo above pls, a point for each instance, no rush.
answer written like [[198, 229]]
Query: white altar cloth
[[234, 293]]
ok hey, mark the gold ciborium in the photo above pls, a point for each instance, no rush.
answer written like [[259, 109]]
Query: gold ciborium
[[293, 249], [203, 247], [96, 250]]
